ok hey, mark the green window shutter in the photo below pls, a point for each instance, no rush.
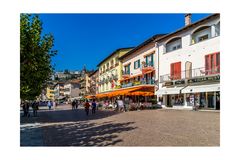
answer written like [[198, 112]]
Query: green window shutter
[[152, 59]]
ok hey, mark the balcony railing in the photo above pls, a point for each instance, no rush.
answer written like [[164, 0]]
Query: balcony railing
[[187, 74], [149, 64], [136, 83]]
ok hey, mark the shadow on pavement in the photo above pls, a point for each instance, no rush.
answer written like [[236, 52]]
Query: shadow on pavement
[[84, 134], [54, 116]]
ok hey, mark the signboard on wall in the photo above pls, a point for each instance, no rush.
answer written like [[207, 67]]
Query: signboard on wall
[[202, 79]]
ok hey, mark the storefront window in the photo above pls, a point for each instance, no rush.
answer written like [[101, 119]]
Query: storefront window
[[178, 100]]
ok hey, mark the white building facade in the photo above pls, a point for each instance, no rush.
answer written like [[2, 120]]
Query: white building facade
[[188, 70]]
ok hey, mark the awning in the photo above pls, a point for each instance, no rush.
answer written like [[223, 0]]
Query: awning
[[141, 93], [128, 91], [90, 96], [202, 88], [61, 97], [164, 91]]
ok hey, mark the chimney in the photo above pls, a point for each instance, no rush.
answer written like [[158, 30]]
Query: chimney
[[188, 19]]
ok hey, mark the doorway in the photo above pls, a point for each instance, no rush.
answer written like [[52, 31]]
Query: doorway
[[169, 99]]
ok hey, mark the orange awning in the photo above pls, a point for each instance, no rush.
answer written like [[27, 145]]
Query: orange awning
[[90, 96], [148, 71], [141, 90]]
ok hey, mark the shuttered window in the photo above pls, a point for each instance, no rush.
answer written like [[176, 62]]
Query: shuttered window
[[175, 71], [212, 63]]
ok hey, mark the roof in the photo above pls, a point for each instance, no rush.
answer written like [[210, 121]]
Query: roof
[[188, 26], [93, 73], [143, 44], [113, 54]]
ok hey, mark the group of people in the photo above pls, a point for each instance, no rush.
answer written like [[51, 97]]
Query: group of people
[[93, 106], [75, 104], [25, 106], [86, 105]]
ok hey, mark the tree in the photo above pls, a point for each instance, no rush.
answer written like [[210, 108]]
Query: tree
[[35, 56]]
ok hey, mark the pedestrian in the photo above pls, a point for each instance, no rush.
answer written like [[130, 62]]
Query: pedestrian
[[87, 105], [24, 107], [76, 104], [73, 104], [54, 105], [49, 105], [27, 109], [94, 106], [34, 108]]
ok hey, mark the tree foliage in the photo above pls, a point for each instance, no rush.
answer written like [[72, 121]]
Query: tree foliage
[[35, 56]]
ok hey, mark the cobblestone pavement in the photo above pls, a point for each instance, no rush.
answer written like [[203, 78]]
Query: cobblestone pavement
[[66, 127]]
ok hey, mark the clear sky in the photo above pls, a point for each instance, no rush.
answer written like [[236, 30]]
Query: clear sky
[[88, 38]]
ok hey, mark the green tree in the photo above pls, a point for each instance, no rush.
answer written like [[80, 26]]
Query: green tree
[[35, 56]]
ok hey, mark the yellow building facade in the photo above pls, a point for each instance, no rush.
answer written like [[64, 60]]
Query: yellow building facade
[[110, 71], [50, 93]]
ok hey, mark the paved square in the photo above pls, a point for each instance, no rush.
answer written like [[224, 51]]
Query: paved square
[[66, 127]]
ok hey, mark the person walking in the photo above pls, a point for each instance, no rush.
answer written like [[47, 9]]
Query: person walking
[[87, 105], [94, 106], [54, 105], [23, 105], [49, 105], [73, 104], [76, 104], [27, 109], [34, 105]]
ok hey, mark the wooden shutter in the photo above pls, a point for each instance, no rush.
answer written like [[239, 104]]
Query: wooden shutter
[[172, 71], [207, 67], [178, 70]]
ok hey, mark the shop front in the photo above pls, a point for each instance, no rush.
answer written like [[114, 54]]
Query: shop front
[[202, 96]]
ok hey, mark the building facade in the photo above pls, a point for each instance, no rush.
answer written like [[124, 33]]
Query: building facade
[[110, 71], [71, 89], [93, 83], [85, 84], [139, 65], [50, 92], [59, 90], [189, 65]]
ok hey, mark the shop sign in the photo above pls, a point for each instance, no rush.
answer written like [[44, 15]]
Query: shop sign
[[202, 79], [179, 82], [168, 84]]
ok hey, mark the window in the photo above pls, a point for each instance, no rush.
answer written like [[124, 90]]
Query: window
[[137, 64], [202, 38], [149, 60], [112, 63], [212, 63], [175, 71], [201, 34], [174, 44], [103, 68], [217, 29], [127, 69]]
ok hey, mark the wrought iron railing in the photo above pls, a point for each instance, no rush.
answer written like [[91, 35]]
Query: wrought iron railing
[[136, 83], [187, 74]]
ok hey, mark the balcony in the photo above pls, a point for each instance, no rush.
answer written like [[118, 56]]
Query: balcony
[[188, 74], [137, 83], [125, 74], [147, 67]]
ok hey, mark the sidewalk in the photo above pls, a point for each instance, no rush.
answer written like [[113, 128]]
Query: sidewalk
[[31, 135]]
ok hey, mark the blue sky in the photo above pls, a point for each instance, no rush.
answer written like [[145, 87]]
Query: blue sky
[[88, 38]]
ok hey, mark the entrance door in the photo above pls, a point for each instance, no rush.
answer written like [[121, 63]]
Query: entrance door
[[169, 101], [210, 100]]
